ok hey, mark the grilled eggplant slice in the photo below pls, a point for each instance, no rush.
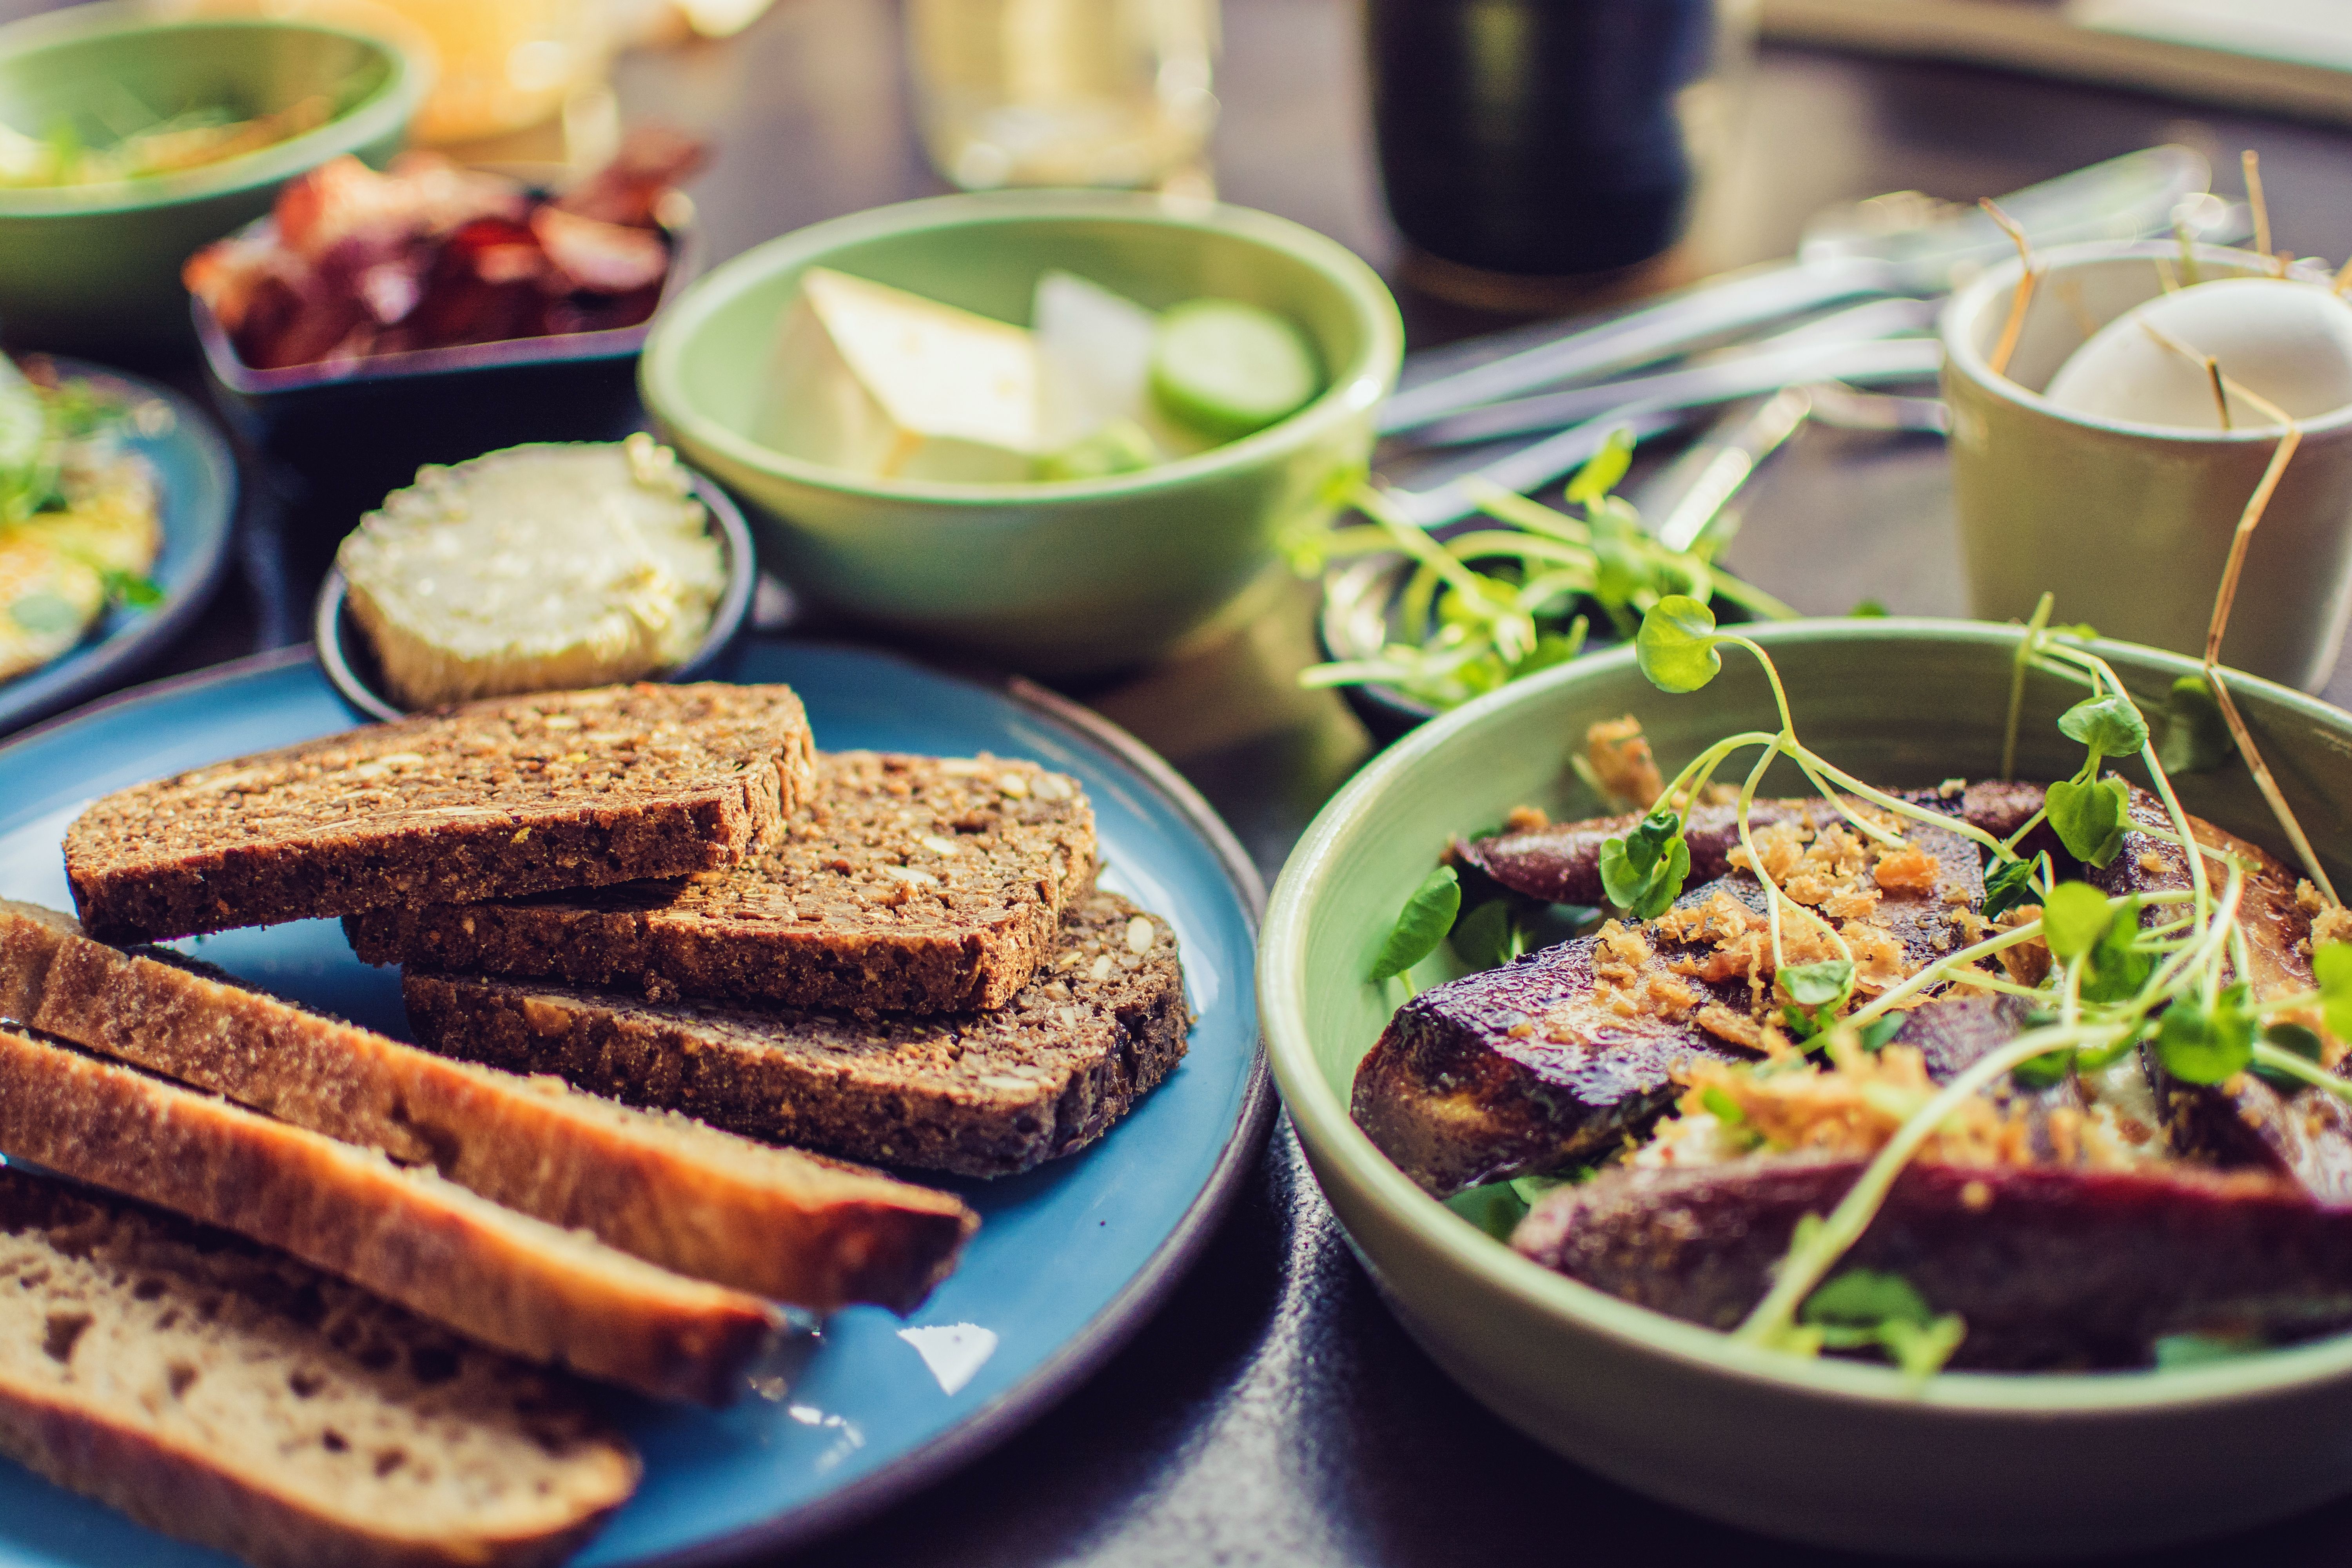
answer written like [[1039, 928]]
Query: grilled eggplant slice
[[2304, 1134], [1561, 863], [2050, 1266], [1535, 1067]]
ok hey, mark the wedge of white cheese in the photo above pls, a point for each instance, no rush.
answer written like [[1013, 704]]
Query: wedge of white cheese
[[1093, 367], [888, 384], [539, 568]]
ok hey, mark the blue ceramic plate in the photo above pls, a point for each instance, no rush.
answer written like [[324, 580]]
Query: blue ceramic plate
[[1069, 1259], [196, 484]]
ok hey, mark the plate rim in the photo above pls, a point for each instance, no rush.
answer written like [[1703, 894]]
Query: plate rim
[[24, 700], [1120, 1319]]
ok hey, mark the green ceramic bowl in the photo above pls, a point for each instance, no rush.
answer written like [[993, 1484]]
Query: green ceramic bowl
[[97, 268], [1049, 578], [1839, 1453]]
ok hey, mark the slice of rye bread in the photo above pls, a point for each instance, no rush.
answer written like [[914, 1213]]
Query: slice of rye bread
[[561, 790], [982, 1094], [231, 1397], [775, 1222], [514, 1283], [906, 884]]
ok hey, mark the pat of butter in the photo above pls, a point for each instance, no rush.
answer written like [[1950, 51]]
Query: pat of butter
[[890, 386], [537, 568]]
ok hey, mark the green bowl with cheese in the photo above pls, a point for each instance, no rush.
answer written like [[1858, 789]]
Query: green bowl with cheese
[[1053, 578]]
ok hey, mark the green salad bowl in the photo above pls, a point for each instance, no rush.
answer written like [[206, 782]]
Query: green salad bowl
[[1835, 1452], [1051, 578], [96, 267]]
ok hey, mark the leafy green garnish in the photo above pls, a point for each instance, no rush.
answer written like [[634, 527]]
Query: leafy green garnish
[[1489, 936], [1421, 925], [1859, 1309], [2089, 817], [1643, 873], [2200, 1045], [2073, 917], [1601, 471], [133, 588], [1868, 610], [2292, 1038], [2331, 964], [1881, 1030], [1677, 645], [2109, 725], [2008, 884], [1721, 1105], [2195, 736]]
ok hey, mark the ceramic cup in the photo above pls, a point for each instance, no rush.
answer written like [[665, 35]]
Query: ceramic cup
[[2129, 524]]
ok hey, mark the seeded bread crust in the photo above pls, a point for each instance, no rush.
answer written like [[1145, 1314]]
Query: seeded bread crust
[[512, 1282], [980, 1094], [520, 795], [773, 1222], [906, 884], [236, 1398]]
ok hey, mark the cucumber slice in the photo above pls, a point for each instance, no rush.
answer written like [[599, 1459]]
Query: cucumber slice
[[1121, 447], [1227, 369]]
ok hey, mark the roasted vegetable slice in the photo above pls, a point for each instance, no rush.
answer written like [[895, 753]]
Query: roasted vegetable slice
[[2049, 1266]]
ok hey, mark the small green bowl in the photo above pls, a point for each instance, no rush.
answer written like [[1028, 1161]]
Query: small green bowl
[[97, 268], [1054, 579], [1838, 1453]]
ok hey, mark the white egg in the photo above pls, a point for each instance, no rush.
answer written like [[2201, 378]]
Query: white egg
[[2288, 341]]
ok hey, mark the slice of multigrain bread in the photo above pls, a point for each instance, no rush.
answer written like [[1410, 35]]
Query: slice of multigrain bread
[[233, 1398], [515, 1283], [560, 790], [907, 884], [980, 1094], [774, 1221]]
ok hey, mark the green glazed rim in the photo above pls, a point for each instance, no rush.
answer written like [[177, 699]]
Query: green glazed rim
[[1356, 387], [408, 78], [1487, 1267]]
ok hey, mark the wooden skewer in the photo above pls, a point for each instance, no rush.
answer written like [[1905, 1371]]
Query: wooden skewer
[[2251, 163], [2019, 302]]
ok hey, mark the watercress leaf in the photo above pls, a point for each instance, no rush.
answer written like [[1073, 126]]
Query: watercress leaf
[[2199, 1046], [2088, 818], [2041, 1072], [1603, 469], [2117, 971], [2096, 1059], [1642, 873], [1721, 1105], [1823, 985], [2331, 962], [2008, 884], [1619, 572], [1921, 1352], [2293, 1038], [1422, 925], [1868, 610], [2196, 737], [1486, 938], [2073, 917], [1677, 645], [1866, 1297], [1879, 1031], [131, 588], [2109, 725]]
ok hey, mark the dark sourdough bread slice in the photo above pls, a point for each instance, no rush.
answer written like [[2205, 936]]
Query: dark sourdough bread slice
[[520, 795], [982, 1094], [514, 1283], [233, 1398], [774, 1221], [906, 884]]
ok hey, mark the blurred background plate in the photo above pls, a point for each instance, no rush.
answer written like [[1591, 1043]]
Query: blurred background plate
[[196, 491], [1070, 1260]]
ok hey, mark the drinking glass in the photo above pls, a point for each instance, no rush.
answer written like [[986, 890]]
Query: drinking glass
[[1063, 93]]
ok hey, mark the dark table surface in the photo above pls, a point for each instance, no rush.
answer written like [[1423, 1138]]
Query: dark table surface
[[1273, 1411]]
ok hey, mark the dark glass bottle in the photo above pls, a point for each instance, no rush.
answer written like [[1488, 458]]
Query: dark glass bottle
[[1537, 137]]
